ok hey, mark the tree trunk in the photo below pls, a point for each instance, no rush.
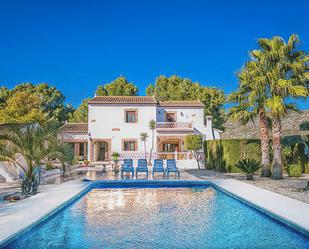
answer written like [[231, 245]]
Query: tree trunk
[[195, 154], [277, 160], [150, 156], [264, 136], [145, 150]]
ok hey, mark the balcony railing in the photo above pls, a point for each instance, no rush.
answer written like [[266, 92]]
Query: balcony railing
[[174, 125]]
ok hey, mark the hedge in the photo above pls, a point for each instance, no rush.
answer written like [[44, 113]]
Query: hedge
[[222, 155]]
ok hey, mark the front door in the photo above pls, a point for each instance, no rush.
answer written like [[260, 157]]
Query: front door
[[170, 146]]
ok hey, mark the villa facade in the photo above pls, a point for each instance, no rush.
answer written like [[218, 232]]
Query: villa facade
[[115, 123]]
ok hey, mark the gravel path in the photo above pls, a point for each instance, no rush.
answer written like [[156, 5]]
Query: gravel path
[[289, 186]]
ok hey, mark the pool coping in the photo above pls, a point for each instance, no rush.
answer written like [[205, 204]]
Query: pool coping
[[295, 214]]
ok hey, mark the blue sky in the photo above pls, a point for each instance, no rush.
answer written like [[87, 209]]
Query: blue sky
[[77, 45]]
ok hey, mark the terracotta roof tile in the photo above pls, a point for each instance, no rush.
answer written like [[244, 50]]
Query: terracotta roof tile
[[181, 103], [74, 128], [123, 100]]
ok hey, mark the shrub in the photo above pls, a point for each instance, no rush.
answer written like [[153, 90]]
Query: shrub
[[248, 166], [115, 156], [294, 170], [222, 155]]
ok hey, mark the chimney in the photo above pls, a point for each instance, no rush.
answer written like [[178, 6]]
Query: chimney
[[210, 134], [209, 122]]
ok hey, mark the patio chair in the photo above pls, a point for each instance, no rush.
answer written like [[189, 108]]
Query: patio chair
[[142, 166], [158, 167], [127, 166], [171, 167]]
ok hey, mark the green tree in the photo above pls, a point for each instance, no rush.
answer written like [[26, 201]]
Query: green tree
[[22, 108], [4, 95], [51, 99], [249, 103], [177, 88], [118, 87], [152, 127], [284, 77], [194, 143], [35, 144], [143, 138], [80, 115]]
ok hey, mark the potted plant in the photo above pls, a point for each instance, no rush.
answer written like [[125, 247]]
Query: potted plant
[[115, 157], [249, 167], [86, 163]]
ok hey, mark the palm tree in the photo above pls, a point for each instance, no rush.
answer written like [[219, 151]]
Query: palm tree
[[249, 102], [143, 137], [152, 127], [284, 77], [29, 146]]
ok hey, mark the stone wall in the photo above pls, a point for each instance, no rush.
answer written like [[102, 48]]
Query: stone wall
[[290, 125]]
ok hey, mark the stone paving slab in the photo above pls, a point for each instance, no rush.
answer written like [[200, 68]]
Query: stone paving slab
[[276, 205]]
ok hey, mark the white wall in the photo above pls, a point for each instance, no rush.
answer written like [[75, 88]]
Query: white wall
[[103, 119]]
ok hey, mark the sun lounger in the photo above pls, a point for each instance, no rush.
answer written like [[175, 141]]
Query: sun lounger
[[127, 167], [171, 167], [158, 167], [142, 166]]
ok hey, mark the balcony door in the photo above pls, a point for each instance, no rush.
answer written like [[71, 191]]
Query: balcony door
[[170, 117]]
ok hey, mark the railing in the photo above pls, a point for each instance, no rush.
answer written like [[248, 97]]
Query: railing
[[182, 155], [174, 125]]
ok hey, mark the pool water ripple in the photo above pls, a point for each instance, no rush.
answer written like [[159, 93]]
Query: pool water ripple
[[159, 218]]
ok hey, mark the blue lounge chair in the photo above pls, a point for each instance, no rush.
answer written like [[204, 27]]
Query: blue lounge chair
[[171, 167], [142, 166], [158, 167], [127, 166]]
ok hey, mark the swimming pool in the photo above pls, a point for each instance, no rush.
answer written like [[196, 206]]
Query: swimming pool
[[146, 216]]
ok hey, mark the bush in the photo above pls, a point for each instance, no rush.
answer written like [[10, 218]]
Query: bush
[[248, 166], [294, 170], [222, 155]]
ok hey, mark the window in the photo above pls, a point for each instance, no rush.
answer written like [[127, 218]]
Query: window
[[170, 117], [131, 116], [129, 145]]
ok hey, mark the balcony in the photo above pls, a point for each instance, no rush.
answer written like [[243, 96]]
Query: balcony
[[174, 126]]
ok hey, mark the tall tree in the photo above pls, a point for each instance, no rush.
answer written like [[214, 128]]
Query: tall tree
[[280, 73], [80, 115], [51, 99], [286, 78], [22, 108], [249, 103], [177, 88], [118, 87]]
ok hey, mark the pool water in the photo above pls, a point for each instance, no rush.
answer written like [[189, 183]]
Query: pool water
[[159, 218]]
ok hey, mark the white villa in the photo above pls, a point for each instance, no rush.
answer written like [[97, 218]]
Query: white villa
[[115, 123]]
